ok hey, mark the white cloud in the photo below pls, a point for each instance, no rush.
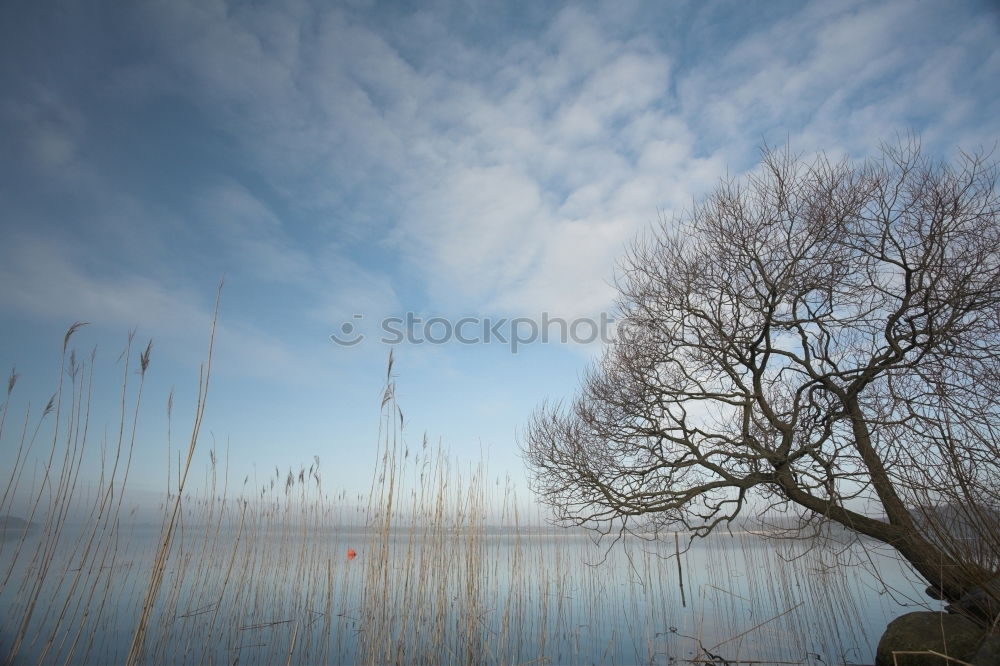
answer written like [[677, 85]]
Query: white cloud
[[52, 285], [491, 173], [45, 128], [534, 202], [511, 177], [254, 237], [839, 77]]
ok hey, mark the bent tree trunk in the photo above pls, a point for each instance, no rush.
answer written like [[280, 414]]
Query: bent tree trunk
[[950, 578]]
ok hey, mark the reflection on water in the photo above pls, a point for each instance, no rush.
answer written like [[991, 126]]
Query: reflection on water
[[269, 595]]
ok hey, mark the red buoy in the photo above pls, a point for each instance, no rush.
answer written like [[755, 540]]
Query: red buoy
[[351, 553]]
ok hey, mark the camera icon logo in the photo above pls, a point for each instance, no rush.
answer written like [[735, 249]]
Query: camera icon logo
[[349, 334]]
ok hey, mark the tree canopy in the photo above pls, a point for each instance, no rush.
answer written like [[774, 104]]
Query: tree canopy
[[819, 335]]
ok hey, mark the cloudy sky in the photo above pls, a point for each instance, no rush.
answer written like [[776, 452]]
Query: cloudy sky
[[350, 162]]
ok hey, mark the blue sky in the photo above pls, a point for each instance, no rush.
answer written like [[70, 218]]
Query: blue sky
[[442, 158]]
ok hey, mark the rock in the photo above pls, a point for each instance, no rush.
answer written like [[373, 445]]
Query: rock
[[988, 653], [945, 633], [981, 602]]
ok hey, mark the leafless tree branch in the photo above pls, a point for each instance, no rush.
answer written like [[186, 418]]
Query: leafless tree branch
[[818, 335]]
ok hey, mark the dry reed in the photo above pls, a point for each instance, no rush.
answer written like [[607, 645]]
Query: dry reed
[[450, 570]]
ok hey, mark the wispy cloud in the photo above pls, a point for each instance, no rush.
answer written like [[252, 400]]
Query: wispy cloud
[[381, 159], [253, 238], [52, 284], [448, 159]]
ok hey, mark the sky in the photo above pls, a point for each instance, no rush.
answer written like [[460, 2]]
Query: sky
[[343, 163]]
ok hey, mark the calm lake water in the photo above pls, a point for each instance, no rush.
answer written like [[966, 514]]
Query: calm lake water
[[290, 595]]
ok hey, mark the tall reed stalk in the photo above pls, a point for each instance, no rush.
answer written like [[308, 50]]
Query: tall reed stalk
[[452, 567]]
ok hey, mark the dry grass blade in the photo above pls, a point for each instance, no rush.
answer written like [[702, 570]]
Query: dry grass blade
[[159, 566]]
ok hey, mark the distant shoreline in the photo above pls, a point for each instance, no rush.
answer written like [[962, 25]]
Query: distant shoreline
[[16, 523]]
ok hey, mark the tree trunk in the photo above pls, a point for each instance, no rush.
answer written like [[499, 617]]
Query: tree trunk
[[952, 578]]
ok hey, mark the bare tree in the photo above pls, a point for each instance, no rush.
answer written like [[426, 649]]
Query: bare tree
[[818, 336]]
